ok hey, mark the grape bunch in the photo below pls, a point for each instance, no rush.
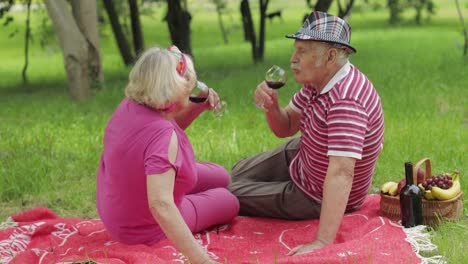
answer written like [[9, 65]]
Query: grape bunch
[[442, 181]]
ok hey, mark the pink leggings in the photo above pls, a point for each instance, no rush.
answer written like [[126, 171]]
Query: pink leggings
[[209, 203]]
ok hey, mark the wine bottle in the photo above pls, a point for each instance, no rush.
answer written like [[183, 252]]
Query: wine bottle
[[410, 200]]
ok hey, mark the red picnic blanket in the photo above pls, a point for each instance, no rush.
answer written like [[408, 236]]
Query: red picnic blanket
[[40, 236]]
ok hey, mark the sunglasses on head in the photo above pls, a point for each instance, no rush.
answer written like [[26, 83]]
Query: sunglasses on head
[[181, 67]]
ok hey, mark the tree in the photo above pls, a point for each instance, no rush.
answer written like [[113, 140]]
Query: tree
[[395, 10], [79, 40], [126, 9], [122, 43], [27, 37], [249, 32], [138, 43], [178, 21], [247, 23], [323, 5], [465, 31], [261, 41], [85, 14], [346, 11], [220, 6], [5, 6], [396, 7]]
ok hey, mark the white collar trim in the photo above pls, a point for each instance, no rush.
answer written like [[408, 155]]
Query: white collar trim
[[342, 72]]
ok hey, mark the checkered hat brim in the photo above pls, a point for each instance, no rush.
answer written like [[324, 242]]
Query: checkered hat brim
[[321, 26]]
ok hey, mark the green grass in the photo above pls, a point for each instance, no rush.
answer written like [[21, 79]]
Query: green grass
[[50, 146]]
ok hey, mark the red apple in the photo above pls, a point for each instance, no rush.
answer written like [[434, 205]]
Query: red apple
[[401, 184], [420, 176]]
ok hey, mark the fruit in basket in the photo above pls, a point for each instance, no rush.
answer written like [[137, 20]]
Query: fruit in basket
[[443, 181], [441, 194], [420, 176], [390, 187], [448, 193], [401, 184], [441, 187], [386, 186], [427, 193], [393, 191]]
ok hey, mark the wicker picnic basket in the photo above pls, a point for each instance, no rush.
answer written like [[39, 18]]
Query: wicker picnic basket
[[434, 211]]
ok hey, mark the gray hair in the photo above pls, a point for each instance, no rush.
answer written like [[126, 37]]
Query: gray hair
[[342, 55], [154, 81]]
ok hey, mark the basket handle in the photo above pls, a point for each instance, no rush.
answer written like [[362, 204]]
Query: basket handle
[[427, 172]]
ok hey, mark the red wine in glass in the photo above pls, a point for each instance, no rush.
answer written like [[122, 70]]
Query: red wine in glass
[[199, 94], [275, 85], [197, 100], [276, 77]]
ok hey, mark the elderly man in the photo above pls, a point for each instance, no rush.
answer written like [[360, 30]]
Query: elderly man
[[328, 170]]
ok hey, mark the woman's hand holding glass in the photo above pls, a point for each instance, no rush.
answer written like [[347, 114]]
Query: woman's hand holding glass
[[203, 94]]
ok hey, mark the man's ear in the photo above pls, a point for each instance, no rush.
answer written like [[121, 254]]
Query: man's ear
[[332, 55]]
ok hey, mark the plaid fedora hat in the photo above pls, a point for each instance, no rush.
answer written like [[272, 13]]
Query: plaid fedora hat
[[321, 26]]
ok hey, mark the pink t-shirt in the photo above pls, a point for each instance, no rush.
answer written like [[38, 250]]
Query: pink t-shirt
[[136, 143]]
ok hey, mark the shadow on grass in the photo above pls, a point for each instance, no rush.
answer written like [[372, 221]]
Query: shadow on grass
[[56, 87]]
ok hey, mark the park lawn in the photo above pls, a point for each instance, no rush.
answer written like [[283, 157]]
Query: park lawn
[[50, 146]]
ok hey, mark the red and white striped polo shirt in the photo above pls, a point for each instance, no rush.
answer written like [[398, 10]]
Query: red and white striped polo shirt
[[345, 119]]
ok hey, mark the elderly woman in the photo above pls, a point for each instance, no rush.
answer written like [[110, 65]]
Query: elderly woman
[[149, 185]]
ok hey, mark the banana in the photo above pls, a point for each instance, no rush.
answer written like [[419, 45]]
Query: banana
[[393, 190], [441, 194], [386, 186], [427, 193]]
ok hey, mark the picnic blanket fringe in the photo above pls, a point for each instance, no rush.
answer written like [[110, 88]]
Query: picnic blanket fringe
[[8, 223], [420, 241]]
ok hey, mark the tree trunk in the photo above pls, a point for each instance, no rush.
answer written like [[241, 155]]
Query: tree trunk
[[138, 43], [465, 31], [85, 13], [246, 20], [419, 6], [74, 48], [122, 43], [323, 5], [27, 37], [221, 24], [395, 11], [261, 41], [178, 22], [344, 13], [249, 30]]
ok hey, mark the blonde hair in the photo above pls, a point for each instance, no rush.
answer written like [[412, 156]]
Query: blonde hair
[[154, 81]]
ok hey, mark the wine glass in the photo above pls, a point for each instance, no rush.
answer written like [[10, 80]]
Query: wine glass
[[200, 93], [276, 77]]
